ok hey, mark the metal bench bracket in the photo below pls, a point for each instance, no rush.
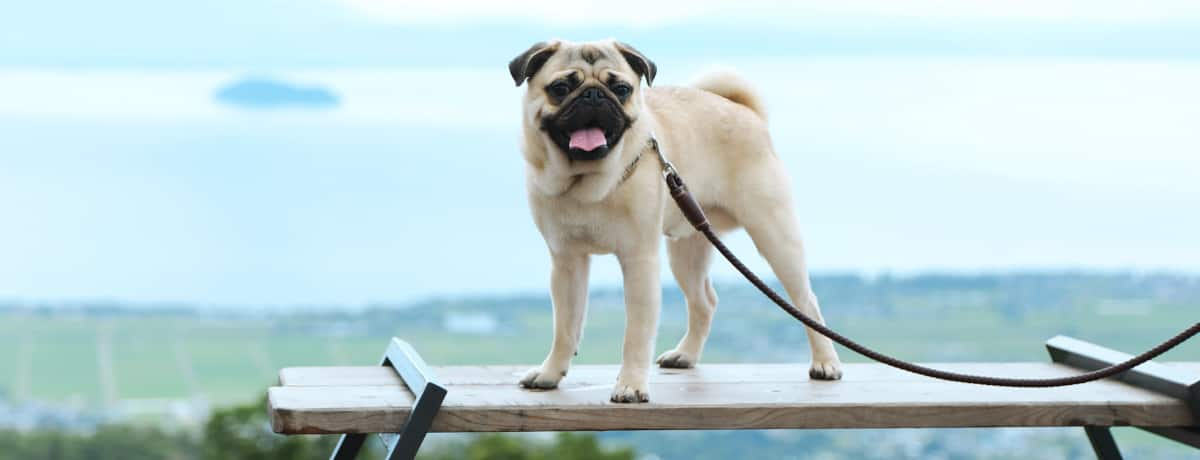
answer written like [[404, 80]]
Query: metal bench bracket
[[428, 397], [1151, 376]]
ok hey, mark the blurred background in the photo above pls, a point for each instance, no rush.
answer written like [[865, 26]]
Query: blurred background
[[195, 194]]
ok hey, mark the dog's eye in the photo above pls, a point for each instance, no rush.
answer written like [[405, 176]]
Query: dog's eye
[[622, 90], [559, 90]]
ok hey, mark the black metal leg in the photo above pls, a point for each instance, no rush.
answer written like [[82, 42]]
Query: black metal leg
[[348, 447], [1103, 443], [417, 426], [1194, 401], [428, 397], [1152, 376], [1183, 434]]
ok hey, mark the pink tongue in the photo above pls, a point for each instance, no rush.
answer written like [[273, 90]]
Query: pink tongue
[[588, 139]]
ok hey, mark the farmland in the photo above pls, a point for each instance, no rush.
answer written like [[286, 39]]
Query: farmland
[[83, 363], [99, 356]]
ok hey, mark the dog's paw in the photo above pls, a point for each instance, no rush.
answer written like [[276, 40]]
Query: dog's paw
[[540, 379], [677, 359], [826, 369], [630, 393]]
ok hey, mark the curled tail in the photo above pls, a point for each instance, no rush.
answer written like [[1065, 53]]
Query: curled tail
[[729, 85]]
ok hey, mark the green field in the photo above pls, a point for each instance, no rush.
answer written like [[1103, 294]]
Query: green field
[[101, 359], [96, 358]]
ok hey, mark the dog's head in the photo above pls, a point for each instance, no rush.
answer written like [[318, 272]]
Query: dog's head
[[582, 97]]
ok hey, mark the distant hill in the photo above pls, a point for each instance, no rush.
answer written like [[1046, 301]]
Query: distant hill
[[266, 93]]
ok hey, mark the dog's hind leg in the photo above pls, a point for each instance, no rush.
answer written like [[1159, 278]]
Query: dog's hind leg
[[691, 257], [767, 215], [568, 291]]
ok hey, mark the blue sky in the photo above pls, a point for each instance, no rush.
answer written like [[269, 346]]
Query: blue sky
[[471, 33], [941, 136]]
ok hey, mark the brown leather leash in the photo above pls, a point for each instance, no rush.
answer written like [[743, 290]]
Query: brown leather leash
[[695, 215]]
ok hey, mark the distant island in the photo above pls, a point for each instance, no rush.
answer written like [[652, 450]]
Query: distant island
[[266, 93]]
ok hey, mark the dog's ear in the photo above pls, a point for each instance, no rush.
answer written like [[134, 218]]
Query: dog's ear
[[526, 64], [640, 63]]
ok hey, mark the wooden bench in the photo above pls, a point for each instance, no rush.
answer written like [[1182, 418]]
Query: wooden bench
[[376, 399]]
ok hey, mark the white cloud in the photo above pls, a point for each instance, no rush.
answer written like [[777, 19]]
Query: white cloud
[[652, 13]]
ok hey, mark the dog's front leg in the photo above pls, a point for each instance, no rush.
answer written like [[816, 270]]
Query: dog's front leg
[[643, 296], [568, 291]]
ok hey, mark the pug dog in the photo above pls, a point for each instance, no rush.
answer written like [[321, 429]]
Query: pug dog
[[594, 186]]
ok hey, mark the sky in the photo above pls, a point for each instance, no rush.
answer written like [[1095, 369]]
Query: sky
[[938, 136], [652, 14], [336, 33]]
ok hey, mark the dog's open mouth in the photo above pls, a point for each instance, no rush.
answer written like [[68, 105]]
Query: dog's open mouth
[[586, 131], [590, 142], [588, 139]]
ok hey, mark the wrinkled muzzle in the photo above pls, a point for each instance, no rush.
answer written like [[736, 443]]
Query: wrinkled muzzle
[[588, 126]]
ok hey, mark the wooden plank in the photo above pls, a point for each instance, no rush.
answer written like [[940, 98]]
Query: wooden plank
[[740, 396], [338, 376], [731, 373]]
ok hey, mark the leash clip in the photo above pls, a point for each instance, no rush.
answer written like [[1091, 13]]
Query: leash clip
[[679, 192], [667, 167]]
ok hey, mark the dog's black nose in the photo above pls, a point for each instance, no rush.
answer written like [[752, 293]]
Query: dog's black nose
[[592, 95]]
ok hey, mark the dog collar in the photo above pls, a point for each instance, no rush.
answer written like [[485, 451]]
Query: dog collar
[[653, 144], [629, 169]]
